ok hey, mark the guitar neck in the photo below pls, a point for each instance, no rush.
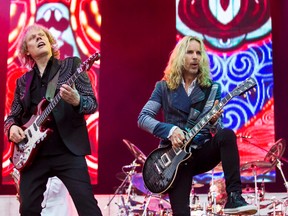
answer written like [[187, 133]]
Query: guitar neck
[[55, 101], [85, 66], [196, 129]]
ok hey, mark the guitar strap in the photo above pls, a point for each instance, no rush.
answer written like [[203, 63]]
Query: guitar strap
[[196, 109], [51, 88]]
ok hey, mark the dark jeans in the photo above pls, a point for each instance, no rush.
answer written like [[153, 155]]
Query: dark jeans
[[222, 147], [73, 172]]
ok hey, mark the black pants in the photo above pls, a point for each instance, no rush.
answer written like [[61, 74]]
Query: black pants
[[73, 172], [222, 147]]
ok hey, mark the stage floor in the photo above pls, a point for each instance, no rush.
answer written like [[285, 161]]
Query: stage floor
[[112, 206]]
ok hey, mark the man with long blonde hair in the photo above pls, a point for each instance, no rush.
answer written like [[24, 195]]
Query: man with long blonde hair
[[62, 152], [185, 95]]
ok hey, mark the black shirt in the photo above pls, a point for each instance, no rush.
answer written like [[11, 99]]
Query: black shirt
[[53, 144]]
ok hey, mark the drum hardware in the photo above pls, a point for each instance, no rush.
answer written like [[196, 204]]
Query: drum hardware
[[195, 205], [213, 194], [156, 204], [125, 204], [138, 183], [279, 164], [152, 205], [277, 207], [248, 190], [256, 168], [145, 206], [216, 169], [276, 152], [121, 175], [136, 152], [126, 208], [197, 185], [127, 172], [134, 202], [217, 197], [274, 156]]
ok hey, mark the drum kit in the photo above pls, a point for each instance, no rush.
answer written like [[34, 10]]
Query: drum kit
[[254, 168], [132, 185], [158, 205]]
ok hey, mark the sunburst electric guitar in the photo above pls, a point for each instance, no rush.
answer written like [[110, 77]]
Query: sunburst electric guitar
[[35, 130], [161, 165]]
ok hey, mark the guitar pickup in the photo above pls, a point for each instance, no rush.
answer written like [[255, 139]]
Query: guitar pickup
[[165, 160]]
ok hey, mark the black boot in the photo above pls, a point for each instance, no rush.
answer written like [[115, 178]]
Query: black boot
[[236, 204]]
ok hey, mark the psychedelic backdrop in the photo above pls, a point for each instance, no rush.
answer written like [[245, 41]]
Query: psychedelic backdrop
[[75, 37], [238, 37]]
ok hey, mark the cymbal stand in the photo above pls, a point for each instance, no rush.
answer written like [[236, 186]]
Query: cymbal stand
[[256, 190], [279, 164], [121, 186], [146, 203], [213, 195], [194, 199]]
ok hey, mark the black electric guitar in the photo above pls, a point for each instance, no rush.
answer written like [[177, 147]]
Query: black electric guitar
[[160, 167], [35, 130]]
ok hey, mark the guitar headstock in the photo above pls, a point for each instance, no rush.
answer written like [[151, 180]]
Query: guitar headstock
[[86, 65], [243, 87]]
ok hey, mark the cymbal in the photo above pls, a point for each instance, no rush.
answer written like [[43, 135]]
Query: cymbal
[[121, 176], [255, 168], [275, 152], [136, 152], [216, 169], [197, 185], [122, 190], [138, 182]]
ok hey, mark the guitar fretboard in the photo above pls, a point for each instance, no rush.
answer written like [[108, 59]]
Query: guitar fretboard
[[196, 129], [83, 67]]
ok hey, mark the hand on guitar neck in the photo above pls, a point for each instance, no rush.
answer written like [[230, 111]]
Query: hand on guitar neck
[[217, 115], [177, 137]]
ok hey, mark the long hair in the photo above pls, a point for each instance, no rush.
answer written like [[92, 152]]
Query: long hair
[[174, 68], [27, 60]]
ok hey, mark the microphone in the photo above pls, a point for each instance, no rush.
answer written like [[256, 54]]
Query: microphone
[[131, 165]]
